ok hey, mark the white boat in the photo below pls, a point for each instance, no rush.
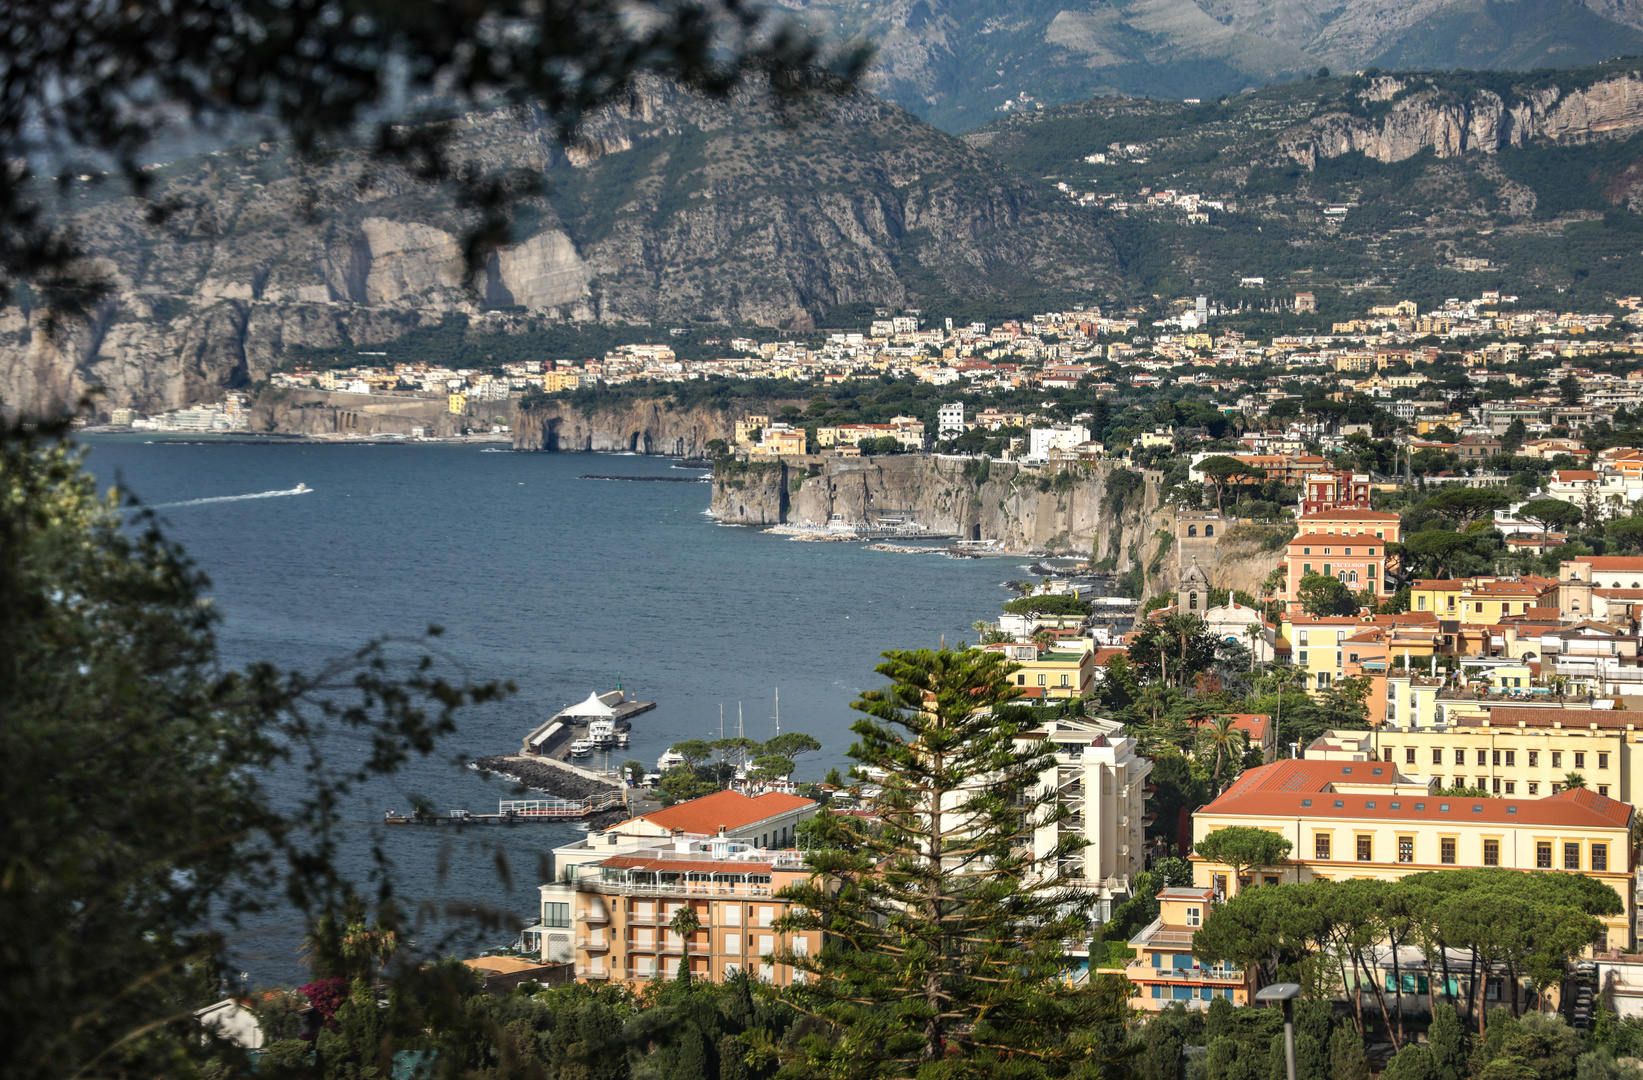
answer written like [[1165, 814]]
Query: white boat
[[621, 738], [581, 748], [300, 486], [668, 761], [602, 733]]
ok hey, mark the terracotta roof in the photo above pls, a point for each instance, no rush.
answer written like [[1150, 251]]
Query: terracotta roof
[[1438, 585], [1619, 594], [730, 809], [1505, 588], [1107, 652], [1350, 515], [686, 866], [1575, 476], [1306, 776], [1425, 619], [1575, 808], [1505, 716], [1615, 564]]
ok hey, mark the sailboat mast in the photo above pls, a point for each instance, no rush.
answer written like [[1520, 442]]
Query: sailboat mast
[[778, 716], [721, 721], [739, 732]]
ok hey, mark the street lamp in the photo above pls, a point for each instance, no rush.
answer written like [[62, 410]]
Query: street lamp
[[1286, 993]]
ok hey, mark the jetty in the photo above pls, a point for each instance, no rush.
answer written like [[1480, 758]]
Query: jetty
[[518, 811], [547, 738]]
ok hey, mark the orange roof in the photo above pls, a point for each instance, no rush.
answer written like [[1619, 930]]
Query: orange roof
[[1438, 585], [1424, 619], [1507, 716], [1106, 653], [730, 809], [1350, 515], [1619, 594], [1306, 776], [1575, 476], [1574, 808], [1505, 588], [1616, 564]]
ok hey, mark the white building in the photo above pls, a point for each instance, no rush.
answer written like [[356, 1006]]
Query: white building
[[1041, 440], [1101, 779], [950, 420]]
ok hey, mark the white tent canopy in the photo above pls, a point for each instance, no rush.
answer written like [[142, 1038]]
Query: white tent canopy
[[592, 707]]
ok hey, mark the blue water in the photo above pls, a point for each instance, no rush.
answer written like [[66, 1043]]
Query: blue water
[[560, 584]]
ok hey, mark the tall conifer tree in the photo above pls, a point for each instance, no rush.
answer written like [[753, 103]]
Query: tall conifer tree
[[945, 948]]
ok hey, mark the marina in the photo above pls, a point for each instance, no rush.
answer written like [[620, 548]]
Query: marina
[[600, 723]]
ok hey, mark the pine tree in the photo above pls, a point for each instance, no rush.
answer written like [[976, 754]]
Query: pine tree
[[1447, 1038], [945, 933], [1346, 1056]]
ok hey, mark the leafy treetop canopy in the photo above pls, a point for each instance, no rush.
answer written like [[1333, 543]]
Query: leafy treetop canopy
[[1053, 604]]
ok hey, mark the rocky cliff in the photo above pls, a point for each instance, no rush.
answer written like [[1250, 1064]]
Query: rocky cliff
[[673, 208], [951, 496], [1419, 116], [643, 427]]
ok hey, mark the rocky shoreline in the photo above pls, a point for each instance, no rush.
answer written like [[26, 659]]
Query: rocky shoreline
[[558, 782]]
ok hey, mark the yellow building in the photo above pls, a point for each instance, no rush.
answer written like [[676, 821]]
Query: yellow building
[[1318, 646], [1364, 819], [1441, 597], [565, 379], [1486, 601], [747, 425], [1064, 671], [457, 403], [1425, 424], [1512, 750]]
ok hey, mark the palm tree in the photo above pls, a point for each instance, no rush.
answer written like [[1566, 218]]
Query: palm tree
[[1256, 632], [1226, 739], [684, 923], [362, 943], [1181, 626], [1574, 780]]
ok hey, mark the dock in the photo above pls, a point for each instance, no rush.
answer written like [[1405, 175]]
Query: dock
[[517, 811], [546, 739]]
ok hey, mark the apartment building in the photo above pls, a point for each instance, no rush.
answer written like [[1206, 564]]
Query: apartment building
[[1368, 820], [617, 913], [1164, 969], [1063, 670], [1511, 752], [1579, 578], [1101, 779], [1346, 544]]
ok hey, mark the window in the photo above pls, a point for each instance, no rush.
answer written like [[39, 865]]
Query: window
[[1534, 788], [1491, 853], [1406, 849], [1301, 659], [1556, 787], [1543, 855], [1195, 916], [1366, 848], [1320, 846], [1303, 641], [1306, 568], [1557, 759], [1348, 551], [1337, 658], [1420, 603], [1021, 680], [1446, 850], [1603, 761], [1386, 755], [1603, 789], [1460, 755], [1041, 680], [1511, 759], [1571, 856], [1580, 759], [1600, 856], [1437, 755], [1306, 551], [1534, 759], [1497, 785], [1064, 681], [555, 914], [1511, 787], [1371, 569], [1409, 755], [733, 943]]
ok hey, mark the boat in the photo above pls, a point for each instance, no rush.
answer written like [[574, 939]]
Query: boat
[[581, 748], [602, 733], [669, 760], [301, 487], [621, 738]]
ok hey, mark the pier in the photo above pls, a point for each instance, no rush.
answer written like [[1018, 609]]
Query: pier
[[546, 739], [517, 811]]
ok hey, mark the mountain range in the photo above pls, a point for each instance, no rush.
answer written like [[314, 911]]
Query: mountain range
[[678, 211], [958, 63]]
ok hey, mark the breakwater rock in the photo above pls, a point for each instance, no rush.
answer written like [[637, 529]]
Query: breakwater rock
[[550, 777]]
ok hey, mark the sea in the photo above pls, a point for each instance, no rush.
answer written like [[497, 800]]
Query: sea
[[563, 585]]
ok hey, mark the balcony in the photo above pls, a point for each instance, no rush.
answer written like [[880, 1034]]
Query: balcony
[[595, 915], [681, 888], [592, 972], [593, 944], [1185, 975]]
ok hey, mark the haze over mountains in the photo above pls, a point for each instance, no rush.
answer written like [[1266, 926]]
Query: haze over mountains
[[956, 62]]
